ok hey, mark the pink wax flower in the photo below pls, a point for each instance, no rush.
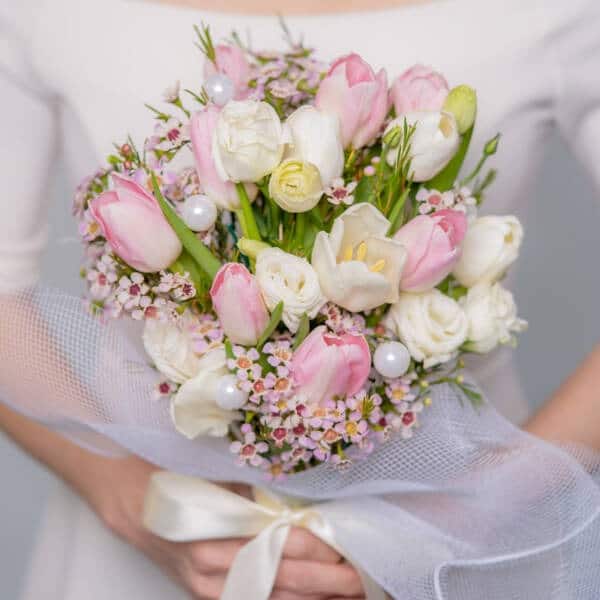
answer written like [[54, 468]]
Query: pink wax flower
[[358, 96], [420, 88], [327, 365], [134, 225], [230, 61], [239, 304], [433, 243]]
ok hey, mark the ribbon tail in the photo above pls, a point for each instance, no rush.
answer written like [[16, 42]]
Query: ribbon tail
[[253, 571]]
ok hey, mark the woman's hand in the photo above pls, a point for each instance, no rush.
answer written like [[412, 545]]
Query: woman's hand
[[310, 569], [115, 489]]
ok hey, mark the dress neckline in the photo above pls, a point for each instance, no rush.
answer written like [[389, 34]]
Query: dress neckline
[[184, 6]]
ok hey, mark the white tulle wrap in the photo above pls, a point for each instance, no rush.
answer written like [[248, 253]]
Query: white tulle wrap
[[470, 508]]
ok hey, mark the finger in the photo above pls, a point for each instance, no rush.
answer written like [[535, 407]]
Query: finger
[[283, 595], [303, 545], [213, 557], [204, 587], [316, 578]]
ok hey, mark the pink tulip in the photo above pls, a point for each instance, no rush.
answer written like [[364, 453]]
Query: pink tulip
[[222, 193], [230, 61], [327, 365], [134, 225], [353, 92], [433, 243], [419, 89], [239, 304]]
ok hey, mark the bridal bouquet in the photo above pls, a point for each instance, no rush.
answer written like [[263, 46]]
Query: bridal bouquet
[[304, 268], [303, 254]]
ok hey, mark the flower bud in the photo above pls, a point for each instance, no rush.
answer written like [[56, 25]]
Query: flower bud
[[462, 103]]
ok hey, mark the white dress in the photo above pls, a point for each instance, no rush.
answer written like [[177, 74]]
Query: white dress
[[73, 78]]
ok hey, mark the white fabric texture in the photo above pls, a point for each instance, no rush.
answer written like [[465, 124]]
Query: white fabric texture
[[75, 75]]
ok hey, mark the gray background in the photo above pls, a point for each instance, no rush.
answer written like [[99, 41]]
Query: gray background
[[554, 266]]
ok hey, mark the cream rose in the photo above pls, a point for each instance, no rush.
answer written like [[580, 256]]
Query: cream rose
[[431, 325], [170, 348], [194, 410], [434, 142], [315, 139], [359, 267], [291, 279], [296, 186], [491, 245], [492, 316], [248, 141]]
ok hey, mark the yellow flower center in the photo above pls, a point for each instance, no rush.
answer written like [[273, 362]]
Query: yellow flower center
[[398, 394], [359, 253], [351, 428]]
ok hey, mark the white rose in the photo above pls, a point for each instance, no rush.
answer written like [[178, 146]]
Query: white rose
[[194, 410], [282, 276], [492, 315], [491, 245], [431, 325], [359, 267], [316, 140], [433, 144], [248, 141], [170, 348]]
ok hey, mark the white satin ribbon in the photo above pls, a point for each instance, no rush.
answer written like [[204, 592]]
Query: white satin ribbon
[[185, 509]]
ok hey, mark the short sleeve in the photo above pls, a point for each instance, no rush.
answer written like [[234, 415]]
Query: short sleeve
[[28, 126], [578, 98]]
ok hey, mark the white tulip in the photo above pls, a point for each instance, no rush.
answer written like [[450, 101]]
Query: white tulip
[[283, 276], [433, 144], [170, 348], [359, 267], [492, 317], [431, 325], [194, 409], [315, 139], [491, 245], [248, 141]]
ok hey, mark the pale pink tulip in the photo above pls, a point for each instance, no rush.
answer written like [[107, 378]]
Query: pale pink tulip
[[239, 304], [327, 365], [420, 88], [222, 193], [230, 61], [433, 243], [134, 225], [353, 92]]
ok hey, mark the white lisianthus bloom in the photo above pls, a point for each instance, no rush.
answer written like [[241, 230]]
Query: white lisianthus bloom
[[170, 348], [492, 315], [491, 245], [431, 325], [291, 279], [433, 144], [359, 267], [194, 410], [295, 186], [315, 139], [248, 141]]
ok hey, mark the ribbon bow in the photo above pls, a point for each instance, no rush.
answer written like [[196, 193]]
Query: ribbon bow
[[184, 509]]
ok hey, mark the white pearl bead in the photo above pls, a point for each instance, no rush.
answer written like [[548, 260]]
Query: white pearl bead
[[199, 212], [391, 359], [220, 89], [228, 394]]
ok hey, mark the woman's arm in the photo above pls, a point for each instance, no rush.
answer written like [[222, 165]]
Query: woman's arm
[[573, 413]]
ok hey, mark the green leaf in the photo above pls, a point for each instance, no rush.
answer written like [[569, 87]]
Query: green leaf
[[271, 326], [396, 213], [445, 179], [186, 264], [302, 332], [365, 190], [228, 349], [251, 228], [197, 250]]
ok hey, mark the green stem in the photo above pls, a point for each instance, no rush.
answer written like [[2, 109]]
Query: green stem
[[300, 229], [205, 259], [252, 231]]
